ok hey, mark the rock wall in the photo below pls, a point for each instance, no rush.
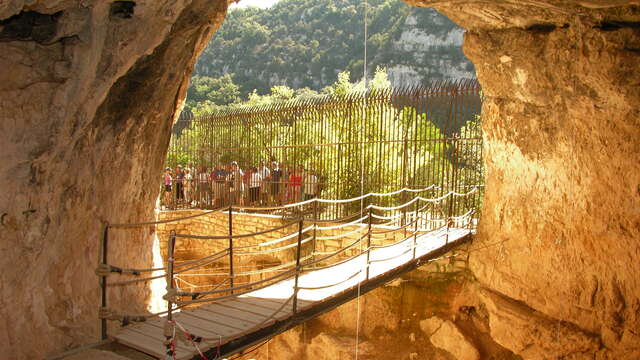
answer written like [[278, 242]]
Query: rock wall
[[88, 90], [558, 242]]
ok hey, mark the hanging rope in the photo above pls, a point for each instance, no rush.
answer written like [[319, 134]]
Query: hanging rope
[[362, 133]]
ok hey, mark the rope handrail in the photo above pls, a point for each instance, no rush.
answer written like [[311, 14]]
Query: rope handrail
[[450, 193], [221, 237], [186, 263], [248, 285], [272, 250], [354, 222], [330, 285], [339, 236], [166, 221], [388, 208], [361, 197], [276, 241], [335, 252], [395, 229], [301, 203], [132, 281], [390, 217]]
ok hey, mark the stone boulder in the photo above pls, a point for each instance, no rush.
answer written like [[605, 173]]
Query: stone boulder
[[534, 335], [445, 335]]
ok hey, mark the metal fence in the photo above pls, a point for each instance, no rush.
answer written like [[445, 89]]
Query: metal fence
[[333, 147]]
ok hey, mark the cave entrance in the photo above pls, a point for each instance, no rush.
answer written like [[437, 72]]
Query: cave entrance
[[426, 139]]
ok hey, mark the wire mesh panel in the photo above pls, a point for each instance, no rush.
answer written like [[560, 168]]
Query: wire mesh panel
[[333, 147]]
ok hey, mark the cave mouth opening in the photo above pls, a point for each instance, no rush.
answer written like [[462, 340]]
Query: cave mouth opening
[[439, 143]]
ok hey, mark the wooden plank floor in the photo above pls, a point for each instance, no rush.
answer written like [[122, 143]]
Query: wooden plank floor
[[226, 320]]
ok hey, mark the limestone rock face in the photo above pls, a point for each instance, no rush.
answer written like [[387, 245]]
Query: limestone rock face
[[88, 90], [533, 335], [445, 335], [560, 225]]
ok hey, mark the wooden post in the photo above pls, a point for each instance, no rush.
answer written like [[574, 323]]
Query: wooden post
[[369, 241], [298, 249], [231, 247], [103, 280]]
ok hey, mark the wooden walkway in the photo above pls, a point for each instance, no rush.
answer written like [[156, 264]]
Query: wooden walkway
[[232, 325]]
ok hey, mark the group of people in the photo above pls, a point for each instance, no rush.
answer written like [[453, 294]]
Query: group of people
[[229, 184]]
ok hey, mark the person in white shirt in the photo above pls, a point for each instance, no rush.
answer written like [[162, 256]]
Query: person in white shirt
[[236, 185], [265, 173], [310, 182], [188, 186], [255, 183]]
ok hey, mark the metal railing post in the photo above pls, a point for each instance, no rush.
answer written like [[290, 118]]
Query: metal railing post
[[369, 242], [415, 231], [170, 291], [103, 280], [298, 250], [231, 248], [315, 229]]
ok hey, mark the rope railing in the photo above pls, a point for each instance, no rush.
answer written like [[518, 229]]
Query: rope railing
[[221, 237], [315, 260]]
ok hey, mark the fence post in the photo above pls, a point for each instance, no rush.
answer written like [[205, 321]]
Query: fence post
[[415, 231], [170, 291], [103, 280], [231, 247], [369, 242], [315, 228], [298, 248]]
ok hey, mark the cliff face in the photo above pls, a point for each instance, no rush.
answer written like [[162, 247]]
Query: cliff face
[[88, 91], [306, 43], [87, 94], [427, 50], [558, 242]]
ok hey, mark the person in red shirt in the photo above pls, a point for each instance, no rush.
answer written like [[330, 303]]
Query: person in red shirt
[[295, 184]]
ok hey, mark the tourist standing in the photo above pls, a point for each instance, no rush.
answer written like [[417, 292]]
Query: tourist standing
[[219, 193], [168, 181], [236, 185], [179, 184], [203, 187], [265, 173], [275, 182], [295, 185], [310, 185], [188, 186], [255, 184]]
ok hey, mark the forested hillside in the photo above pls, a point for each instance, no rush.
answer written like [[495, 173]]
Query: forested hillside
[[306, 43]]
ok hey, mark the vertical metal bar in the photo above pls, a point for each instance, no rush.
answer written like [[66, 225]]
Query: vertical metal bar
[[415, 230], [103, 280], [315, 228], [369, 243], [231, 248], [170, 263], [298, 248]]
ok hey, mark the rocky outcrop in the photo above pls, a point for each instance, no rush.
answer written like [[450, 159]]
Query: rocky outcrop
[[560, 224], [88, 91], [87, 94], [533, 335], [445, 335]]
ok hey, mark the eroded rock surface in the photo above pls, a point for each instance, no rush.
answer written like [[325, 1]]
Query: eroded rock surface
[[87, 95], [560, 224], [88, 92]]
